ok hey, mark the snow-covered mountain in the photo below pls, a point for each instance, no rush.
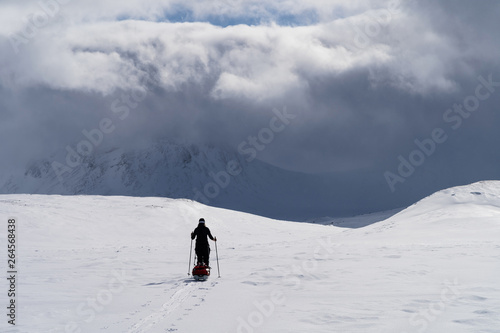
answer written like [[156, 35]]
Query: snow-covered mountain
[[204, 173], [119, 264], [162, 169], [207, 174]]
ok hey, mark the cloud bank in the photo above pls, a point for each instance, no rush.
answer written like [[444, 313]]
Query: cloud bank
[[365, 79]]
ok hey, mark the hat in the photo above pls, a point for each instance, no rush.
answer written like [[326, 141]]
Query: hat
[[202, 220]]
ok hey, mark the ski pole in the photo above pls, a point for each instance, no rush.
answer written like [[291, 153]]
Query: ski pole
[[190, 252], [217, 255]]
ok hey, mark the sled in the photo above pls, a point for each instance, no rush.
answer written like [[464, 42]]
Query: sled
[[201, 272]]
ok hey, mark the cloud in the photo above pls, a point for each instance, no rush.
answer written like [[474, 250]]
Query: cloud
[[364, 77]]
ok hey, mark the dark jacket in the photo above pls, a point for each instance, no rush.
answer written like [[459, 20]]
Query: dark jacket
[[201, 232]]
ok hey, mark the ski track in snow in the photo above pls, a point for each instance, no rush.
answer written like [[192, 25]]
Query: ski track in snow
[[184, 297]]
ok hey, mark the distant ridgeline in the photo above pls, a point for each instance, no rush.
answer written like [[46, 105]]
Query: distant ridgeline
[[215, 177]]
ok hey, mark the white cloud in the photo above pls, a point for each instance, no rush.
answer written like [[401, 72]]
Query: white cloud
[[85, 48]]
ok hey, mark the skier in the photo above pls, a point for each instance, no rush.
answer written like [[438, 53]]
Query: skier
[[202, 248]]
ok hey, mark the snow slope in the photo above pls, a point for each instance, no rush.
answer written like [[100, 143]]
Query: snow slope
[[119, 264]]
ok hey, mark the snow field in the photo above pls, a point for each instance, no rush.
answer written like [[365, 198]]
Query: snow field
[[120, 264]]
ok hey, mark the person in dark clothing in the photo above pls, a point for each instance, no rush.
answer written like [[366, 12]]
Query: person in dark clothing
[[202, 248]]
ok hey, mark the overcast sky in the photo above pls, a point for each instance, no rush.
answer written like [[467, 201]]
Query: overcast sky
[[364, 79]]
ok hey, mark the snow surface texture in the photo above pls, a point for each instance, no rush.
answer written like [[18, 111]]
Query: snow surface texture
[[119, 264]]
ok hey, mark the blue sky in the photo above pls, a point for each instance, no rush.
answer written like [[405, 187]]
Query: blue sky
[[186, 15], [266, 14]]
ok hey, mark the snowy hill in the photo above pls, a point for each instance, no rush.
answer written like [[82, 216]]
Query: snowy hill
[[210, 175], [465, 211], [119, 264]]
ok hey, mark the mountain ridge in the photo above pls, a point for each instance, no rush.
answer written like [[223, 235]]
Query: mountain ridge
[[215, 176]]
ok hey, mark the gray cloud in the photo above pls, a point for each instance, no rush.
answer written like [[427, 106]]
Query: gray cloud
[[365, 79]]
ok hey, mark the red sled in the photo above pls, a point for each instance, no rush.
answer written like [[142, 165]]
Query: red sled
[[201, 272]]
